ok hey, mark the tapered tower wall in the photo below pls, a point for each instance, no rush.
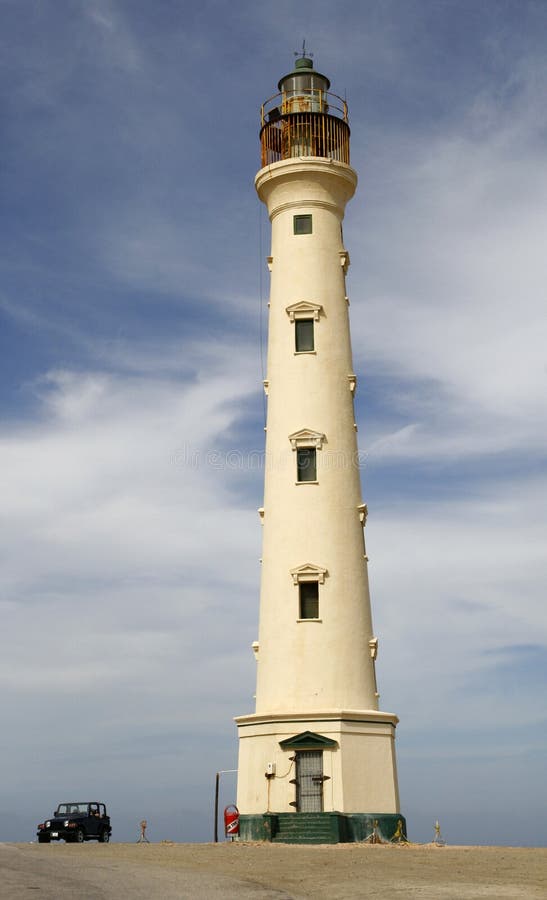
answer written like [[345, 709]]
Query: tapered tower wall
[[299, 661]]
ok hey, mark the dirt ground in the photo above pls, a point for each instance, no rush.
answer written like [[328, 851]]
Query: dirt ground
[[290, 872]]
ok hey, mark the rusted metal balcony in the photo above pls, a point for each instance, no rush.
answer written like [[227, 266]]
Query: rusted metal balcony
[[304, 123]]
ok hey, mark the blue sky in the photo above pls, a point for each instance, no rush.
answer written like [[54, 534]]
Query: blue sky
[[132, 301]]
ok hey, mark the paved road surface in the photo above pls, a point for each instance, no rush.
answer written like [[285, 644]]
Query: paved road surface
[[265, 871], [33, 871]]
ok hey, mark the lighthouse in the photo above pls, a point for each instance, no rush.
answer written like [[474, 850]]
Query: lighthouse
[[317, 756]]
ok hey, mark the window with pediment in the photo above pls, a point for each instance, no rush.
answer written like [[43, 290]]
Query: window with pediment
[[306, 443], [304, 315], [307, 579]]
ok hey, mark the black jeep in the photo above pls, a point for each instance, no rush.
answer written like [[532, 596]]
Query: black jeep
[[76, 823]]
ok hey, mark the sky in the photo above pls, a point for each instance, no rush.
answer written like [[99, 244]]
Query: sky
[[133, 291]]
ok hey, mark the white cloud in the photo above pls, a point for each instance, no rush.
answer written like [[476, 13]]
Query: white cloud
[[98, 502], [455, 584], [454, 294]]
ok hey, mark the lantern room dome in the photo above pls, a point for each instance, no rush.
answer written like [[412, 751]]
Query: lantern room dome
[[303, 77]]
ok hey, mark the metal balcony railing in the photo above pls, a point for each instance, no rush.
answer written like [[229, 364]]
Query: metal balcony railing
[[304, 123]]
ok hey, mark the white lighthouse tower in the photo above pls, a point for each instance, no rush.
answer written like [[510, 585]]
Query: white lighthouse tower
[[317, 757]]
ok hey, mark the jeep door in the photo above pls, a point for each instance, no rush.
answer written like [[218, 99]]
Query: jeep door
[[92, 822]]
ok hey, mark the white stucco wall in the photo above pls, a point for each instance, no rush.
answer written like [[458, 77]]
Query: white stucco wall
[[309, 671]]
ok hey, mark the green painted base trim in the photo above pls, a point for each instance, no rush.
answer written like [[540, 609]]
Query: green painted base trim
[[323, 828], [255, 828], [387, 827]]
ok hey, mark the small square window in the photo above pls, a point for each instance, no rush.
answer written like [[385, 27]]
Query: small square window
[[303, 335], [308, 599], [302, 224], [306, 464]]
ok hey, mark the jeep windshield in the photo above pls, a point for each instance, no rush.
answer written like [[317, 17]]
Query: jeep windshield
[[71, 809]]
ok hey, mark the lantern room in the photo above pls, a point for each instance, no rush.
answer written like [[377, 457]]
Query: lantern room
[[304, 118]]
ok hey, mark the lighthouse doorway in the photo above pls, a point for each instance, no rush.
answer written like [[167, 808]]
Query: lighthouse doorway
[[309, 781]]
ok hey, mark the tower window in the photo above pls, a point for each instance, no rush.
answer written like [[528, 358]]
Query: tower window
[[302, 224], [303, 335], [306, 464], [308, 599]]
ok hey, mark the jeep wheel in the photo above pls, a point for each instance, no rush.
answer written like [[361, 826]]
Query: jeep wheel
[[104, 836], [44, 839], [79, 836]]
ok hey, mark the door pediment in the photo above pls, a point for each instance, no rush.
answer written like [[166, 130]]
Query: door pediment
[[308, 740]]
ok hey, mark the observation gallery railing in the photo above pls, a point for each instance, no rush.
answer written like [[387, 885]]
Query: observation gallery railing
[[307, 123]]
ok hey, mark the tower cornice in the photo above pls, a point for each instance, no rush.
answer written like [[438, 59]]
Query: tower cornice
[[310, 181], [370, 716], [306, 164]]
